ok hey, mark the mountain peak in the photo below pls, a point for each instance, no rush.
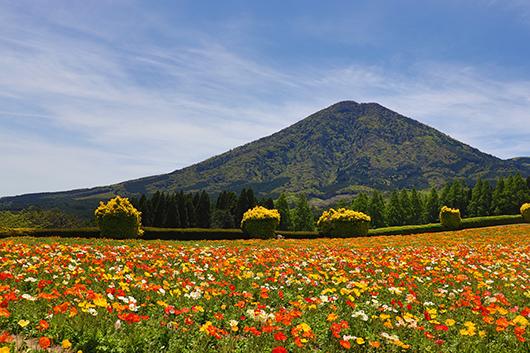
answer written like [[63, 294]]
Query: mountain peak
[[343, 149]]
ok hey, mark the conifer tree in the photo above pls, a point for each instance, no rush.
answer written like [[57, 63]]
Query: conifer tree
[[303, 215], [394, 213], [360, 203], [431, 207], [484, 205], [416, 206], [376, 210], [285, 213], [499, 201], [190, 210], [183, 209], [203, 210], [406, 207], [476, 197], [173, 217]]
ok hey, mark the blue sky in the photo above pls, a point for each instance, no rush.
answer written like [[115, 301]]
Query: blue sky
[[97, 92]]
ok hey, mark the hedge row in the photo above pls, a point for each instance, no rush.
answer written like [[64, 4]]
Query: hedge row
[[151, 233]]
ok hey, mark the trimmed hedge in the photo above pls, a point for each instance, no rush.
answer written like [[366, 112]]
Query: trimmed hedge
[[477, 222], [92, 232], [151, 233], [406, 230]]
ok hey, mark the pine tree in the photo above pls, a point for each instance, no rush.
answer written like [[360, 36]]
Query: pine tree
[[245, 202], [285, 213], [190, 210], [173, 217], [183, 210], [476, 196], [484, 205], [159, 209], [431, 208], [394, 213], [360, 203], [499, 201], [303, 219], [406, 207], [376, 210], [142, 207], [268, 203], [520, 193], [203, 211], [416, 207]]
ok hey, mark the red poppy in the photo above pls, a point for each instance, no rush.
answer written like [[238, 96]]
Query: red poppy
[[279, 349], [280, 336], [44, 342]]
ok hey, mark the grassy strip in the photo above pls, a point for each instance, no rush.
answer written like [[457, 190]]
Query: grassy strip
[[151, 233]]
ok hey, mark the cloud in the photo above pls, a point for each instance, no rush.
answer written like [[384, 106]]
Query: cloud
[[81, 109]]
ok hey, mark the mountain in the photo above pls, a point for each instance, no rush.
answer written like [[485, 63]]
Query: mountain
[[337, 151]]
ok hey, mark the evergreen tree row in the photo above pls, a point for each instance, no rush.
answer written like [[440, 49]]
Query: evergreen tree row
[[404, 207], [407, 207]]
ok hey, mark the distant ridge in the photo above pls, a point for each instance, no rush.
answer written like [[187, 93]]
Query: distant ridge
[[339, 150]]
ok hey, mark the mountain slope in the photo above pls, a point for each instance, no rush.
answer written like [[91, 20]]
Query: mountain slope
[[339, 150]]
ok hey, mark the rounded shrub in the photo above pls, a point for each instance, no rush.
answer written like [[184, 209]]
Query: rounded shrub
[[525, 211], [118, 219], [260, 222], [343, 223], [450, 218]]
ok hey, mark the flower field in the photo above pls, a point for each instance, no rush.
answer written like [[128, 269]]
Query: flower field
[[464, 291]]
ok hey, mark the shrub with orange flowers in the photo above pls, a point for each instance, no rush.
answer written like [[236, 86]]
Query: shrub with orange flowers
[[118, 219]]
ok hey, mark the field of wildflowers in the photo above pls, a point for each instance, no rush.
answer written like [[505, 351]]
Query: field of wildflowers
[[462, 291]]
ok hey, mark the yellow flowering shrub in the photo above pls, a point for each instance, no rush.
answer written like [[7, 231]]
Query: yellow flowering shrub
[[450, 217], [118, 219], [525, 211], [260, 222], [343, 223]]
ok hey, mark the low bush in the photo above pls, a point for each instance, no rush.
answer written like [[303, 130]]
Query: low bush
[[525, 212], [91, 232], [260, 222], [118, 219], [488, 221], [151, 233], [343, 223], [450, 218]]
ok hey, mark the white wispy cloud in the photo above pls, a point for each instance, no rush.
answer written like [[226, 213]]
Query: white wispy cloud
[[80, 108]]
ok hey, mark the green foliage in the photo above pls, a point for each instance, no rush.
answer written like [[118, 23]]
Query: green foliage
[[377, 209], [394, 212], [282, 205], [245, 202], [118, 219], [361, 203], [431, 207], [343, 223], [303, 215], [36, 218], [450, 218], [260, 222]]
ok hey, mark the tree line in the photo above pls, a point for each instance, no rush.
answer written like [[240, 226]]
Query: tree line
[[196, 210], [407, 207], [403, 207]]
